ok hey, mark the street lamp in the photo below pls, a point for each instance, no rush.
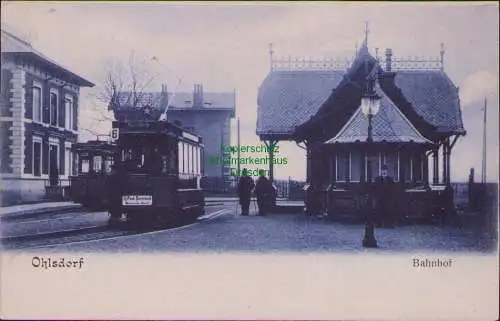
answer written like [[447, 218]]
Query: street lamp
[[370, 105]]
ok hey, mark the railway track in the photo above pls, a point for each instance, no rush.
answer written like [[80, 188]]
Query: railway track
[[92, 233], [41, 213]]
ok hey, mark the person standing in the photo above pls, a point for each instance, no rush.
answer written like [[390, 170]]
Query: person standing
[[245, 187], [114, 184], [384, 191], [263, 191]]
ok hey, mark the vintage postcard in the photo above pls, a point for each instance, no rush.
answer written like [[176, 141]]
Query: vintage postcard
[[249, 160]]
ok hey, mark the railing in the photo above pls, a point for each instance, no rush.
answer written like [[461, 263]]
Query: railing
[[416, 63], [396, 63], [289, 189], [301, 63]]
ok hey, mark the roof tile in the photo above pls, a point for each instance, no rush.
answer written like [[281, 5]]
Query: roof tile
[[389, 125], [289, 98]]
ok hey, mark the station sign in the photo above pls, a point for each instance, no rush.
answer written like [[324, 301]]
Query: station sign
[[115, 133]]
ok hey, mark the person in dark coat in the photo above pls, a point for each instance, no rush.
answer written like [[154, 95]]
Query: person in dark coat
[[245, 187], [384, 198], [263, 191]]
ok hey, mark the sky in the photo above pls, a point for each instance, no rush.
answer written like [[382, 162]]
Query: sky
[[225, 47]]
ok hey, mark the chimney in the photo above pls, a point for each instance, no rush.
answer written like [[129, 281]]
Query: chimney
[[164, 96], [195, 95], [198, 95], [388, 59]]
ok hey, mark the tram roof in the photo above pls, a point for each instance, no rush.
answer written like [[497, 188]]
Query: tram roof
[[159, 127], [94, 145]]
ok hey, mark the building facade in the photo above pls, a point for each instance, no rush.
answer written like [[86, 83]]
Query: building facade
[[38, 121], [208, 114]]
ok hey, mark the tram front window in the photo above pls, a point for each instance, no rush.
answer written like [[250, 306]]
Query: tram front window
[[152, 160]]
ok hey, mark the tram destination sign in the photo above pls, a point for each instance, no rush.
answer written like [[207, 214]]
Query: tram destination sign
[[137, 200]]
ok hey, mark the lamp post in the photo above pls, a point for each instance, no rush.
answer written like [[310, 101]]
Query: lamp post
[[370, 105]]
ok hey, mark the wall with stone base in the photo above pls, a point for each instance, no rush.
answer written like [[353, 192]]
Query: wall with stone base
[[15, 191]]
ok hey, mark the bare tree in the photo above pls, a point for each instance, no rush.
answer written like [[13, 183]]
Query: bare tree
[[122, 86]]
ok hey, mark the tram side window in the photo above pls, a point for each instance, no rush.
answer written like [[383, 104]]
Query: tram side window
[[108, 164], [180, 146], [186, 158], [190, 159], [193, 160], [197, 160], [85, 166], [97, 164]]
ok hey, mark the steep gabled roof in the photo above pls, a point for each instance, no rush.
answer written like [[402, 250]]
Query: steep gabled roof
[[287, 99], [15, 46], [388, 125], [342, 103], [434, 97]]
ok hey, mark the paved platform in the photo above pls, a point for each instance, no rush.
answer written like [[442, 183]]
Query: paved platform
[[43, 207], [37, 208], [293, 233]]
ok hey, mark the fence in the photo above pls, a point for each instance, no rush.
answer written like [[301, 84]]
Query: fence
[[289, 189], [475, 196]]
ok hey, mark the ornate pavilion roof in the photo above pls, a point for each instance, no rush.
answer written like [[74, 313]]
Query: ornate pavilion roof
[[388, 125], [291, 103]]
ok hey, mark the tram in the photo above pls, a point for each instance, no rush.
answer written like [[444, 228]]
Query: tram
[[93, 160], [156, 172]]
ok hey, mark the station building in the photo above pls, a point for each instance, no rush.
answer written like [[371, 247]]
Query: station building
[[39, 109]]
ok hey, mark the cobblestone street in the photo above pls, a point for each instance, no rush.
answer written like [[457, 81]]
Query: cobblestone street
[[284, 233]]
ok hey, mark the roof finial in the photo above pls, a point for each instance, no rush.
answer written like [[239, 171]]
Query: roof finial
[[366, 33], [271, 55]]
